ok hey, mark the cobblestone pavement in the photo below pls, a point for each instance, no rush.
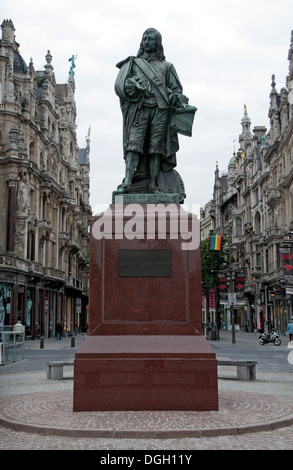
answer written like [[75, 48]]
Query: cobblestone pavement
[[36, 414]]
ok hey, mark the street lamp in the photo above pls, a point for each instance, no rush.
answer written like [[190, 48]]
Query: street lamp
[[226, 284], [208, 287], [232, 299]]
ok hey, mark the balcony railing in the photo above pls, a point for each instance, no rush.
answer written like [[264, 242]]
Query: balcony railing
[[273, 197], [71, 281], [256, 271], [54, 273]]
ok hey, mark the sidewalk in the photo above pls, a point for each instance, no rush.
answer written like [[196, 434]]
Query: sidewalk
[[54, 344], [225, 336], [32, 403]]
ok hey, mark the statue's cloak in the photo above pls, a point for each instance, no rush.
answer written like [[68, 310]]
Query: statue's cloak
[[162, 90]]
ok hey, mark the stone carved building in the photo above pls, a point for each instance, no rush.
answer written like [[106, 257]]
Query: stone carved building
[[253, 204], [44, 206]]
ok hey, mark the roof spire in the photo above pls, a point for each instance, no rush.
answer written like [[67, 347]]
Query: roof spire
[[245, 121]]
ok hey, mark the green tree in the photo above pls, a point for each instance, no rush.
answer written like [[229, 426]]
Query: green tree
[[211, 260]]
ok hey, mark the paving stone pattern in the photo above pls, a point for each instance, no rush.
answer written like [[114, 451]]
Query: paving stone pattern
[[36, 414]]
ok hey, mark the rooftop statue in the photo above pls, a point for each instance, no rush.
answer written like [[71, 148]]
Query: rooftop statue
[[72, 67], [154, 111]]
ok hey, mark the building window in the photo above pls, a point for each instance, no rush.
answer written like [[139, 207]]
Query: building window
[[257, 223], [256, 195], [266, 261], [31, 246], [238, 227], [32, 152]]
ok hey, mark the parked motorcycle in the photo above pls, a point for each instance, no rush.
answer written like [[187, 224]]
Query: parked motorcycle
[[267, 338]]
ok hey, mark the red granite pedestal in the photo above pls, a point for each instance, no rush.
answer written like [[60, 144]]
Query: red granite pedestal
[[145, 350], [161, 372]]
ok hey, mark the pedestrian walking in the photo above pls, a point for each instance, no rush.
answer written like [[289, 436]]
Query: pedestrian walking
[[254, 327], [290, 329]]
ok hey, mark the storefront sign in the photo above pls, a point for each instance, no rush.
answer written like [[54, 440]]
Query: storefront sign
[[286, 257]]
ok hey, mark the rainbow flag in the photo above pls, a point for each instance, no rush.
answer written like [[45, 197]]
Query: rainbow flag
[[215, 242]]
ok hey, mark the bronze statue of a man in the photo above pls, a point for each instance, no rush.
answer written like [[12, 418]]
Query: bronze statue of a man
[[150, 91]]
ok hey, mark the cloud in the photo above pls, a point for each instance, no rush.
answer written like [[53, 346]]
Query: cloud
[[224, 52]]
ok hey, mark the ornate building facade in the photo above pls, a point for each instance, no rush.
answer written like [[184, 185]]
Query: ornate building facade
[[44, 202], [252, 204]]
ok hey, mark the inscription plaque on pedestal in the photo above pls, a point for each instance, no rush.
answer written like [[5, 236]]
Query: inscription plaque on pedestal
[[144, 263]]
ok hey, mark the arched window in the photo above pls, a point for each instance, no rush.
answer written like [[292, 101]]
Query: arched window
[[32, 152], [32, 202], [257, 224]]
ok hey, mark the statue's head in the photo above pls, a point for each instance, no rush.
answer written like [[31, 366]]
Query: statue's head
[[151, 43]]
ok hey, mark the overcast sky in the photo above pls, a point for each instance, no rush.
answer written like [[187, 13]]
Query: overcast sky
[[224, 51]]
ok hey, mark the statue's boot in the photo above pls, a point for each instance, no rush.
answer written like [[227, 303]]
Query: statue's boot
[[122, 189], [153, 189]]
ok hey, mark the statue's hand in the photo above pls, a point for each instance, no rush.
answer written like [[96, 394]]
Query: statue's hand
[[134, 87], [140, 85], [177, 100], [174, 100]]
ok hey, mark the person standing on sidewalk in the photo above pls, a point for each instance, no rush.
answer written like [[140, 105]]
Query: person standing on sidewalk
[[19, 326], [59, 330]]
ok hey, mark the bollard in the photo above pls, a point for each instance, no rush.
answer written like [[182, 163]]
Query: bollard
[[72, 342], [213, 335], [41, 342]]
